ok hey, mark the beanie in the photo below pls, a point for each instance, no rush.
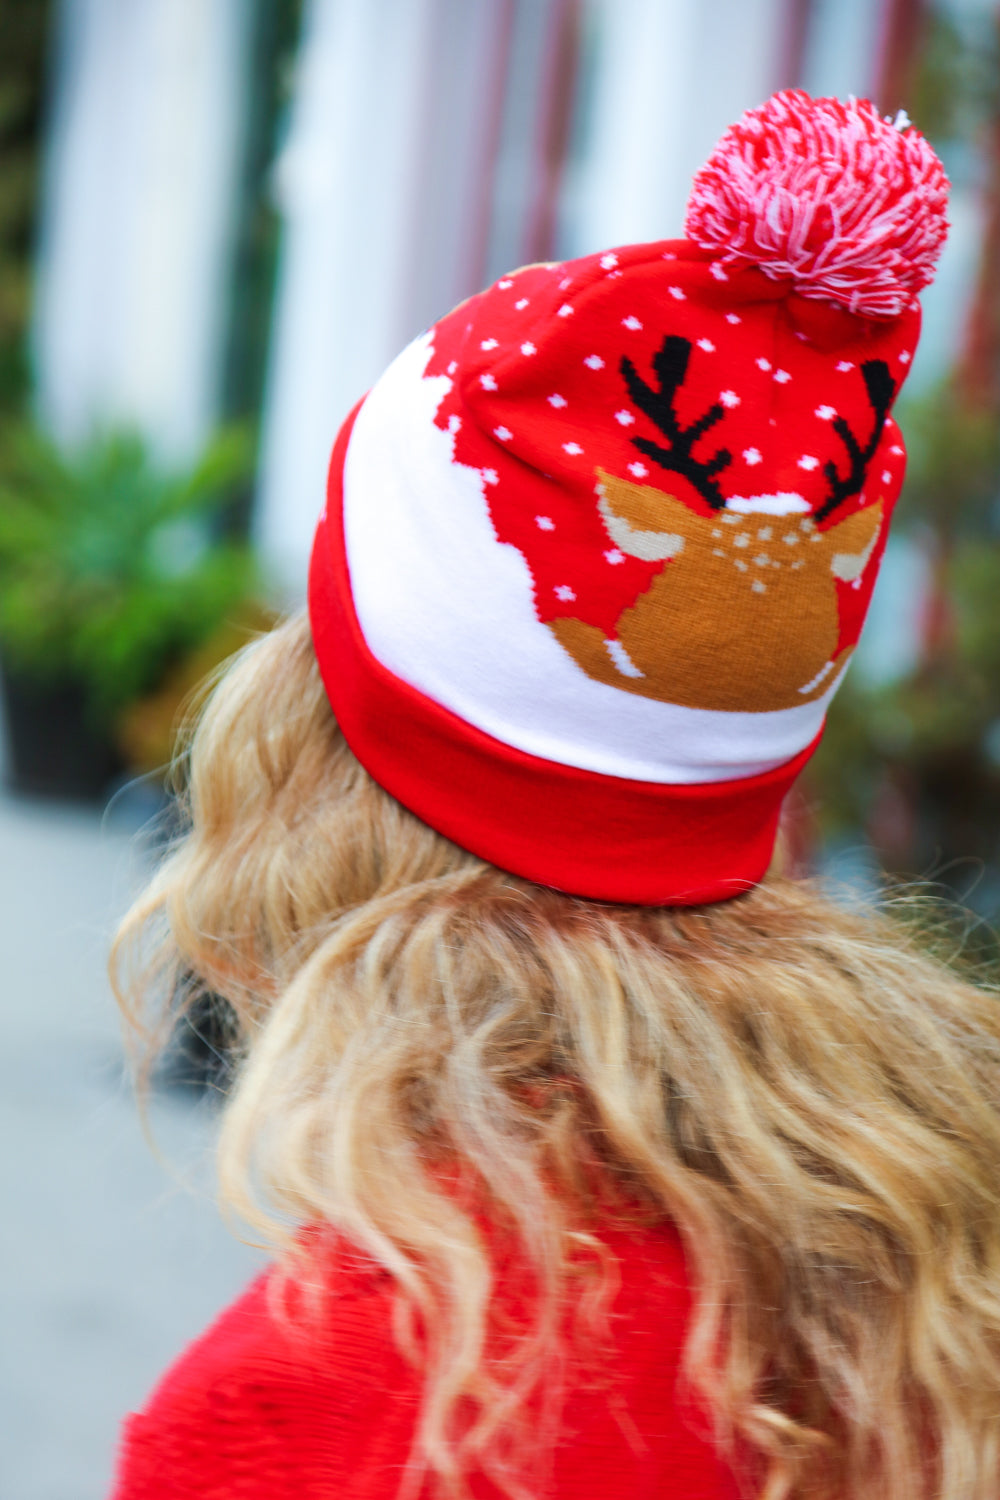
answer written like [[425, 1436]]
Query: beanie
[[598, 546]]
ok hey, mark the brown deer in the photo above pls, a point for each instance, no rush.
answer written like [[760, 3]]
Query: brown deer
[[745, 616]]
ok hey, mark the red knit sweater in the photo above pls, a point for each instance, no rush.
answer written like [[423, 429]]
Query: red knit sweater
[[257, 1409]]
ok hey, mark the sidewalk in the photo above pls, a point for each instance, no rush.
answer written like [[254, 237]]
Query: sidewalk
[[109, 1259]]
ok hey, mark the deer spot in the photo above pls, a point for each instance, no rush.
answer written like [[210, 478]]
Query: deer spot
[[722, 626]]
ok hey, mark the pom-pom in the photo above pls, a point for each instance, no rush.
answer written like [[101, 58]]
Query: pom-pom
[[850, 205]]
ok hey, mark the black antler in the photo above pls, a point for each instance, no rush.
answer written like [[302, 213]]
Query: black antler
[[881, 388], [671, 365]]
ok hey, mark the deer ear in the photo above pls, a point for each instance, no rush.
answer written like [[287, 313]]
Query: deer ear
[[650, 546], [857, 535]]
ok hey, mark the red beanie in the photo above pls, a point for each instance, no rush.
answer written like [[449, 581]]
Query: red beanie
[[598, 546]]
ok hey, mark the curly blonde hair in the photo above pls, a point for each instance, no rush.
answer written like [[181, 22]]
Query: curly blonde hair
[[812, 1102]]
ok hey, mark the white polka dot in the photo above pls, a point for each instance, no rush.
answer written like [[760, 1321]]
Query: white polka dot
[[677, 293], [624, 417], [594, 362], [782, 377], [504, 434], [886, 476], [669, 255], [565, 593], [528, 347], [609, 261], [487, 382], [729, 398], [758, 587], [566, 281], [614, 557], [752, 456], [503, 285], [521, 302], [826, 413], [844, 365], [719, 271], [613, 274], [566, 311], [896, 448], [454, 423], [488, 344], [545, 523], [707, 345], [631, 322], [905, 357], [733, 318], [556, 400], [572, 448], [453, 367], [491, 476], [808, 462], [763, 364], [639, 470]]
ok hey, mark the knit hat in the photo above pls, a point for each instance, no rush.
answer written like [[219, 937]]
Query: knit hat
[[598, 546]]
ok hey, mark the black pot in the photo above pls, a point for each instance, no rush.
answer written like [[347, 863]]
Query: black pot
[[52, 748]]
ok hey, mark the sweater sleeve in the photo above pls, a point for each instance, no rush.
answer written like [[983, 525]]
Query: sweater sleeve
[[263, 1409]]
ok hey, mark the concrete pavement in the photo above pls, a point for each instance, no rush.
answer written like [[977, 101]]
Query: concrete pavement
[[110, 1260]]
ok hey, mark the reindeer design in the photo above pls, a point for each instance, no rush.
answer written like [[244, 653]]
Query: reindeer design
[[745, 617]]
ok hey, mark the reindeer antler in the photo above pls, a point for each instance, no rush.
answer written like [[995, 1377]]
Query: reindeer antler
[[881, 388], [670, 365]]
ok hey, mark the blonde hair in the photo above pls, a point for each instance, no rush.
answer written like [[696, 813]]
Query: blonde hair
[[813, 1103]]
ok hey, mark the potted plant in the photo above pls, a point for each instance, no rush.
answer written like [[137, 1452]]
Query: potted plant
[[112, 572]]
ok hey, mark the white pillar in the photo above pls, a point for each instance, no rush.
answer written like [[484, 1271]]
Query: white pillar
[[843, 48], [667, 77], [381, 186], [138, 207]]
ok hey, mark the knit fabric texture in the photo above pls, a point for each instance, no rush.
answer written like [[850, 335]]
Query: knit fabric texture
[[260, 1408], [607, 533]]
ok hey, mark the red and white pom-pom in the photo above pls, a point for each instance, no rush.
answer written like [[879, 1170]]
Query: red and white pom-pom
[[851, 206]]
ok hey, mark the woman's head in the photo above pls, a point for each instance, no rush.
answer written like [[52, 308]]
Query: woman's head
[[430, 1043]]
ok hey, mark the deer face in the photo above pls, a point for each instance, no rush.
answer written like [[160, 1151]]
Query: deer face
[[744, 614]]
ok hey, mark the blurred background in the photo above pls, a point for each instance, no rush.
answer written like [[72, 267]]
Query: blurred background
[[219, 220]]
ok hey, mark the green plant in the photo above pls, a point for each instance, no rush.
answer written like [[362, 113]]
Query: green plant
[[111, 568]]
